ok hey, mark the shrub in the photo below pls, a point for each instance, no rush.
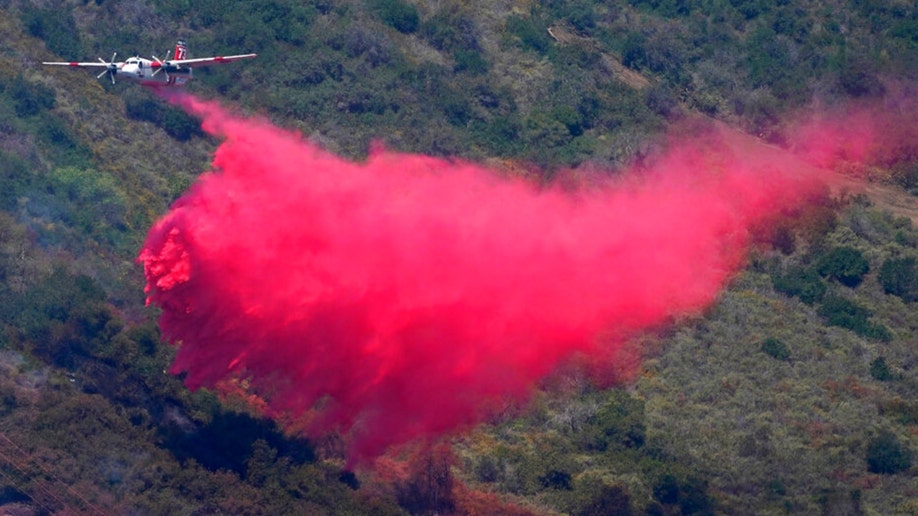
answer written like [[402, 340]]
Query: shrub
[[610, 501], [55, 26], [180, 125], [532, 32], [800, 282], [666, 490], [899, 277], [29, 98], [556, 479], [886, 455], [470, 61], [621, 422], [775, 349], [399, 14], [879, 370], [845, 264], [15, 177], [844, 313]]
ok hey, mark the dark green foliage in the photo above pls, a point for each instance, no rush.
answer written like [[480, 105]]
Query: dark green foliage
[[64, 317], [146, 336], [451, 30], [801, 282], [62, 145], [857, 79], [879, 370], [175, 122], [228, 442], [666, 490], [899, 277], [487, 469], [399, 14], [581, 14], [633, 54], [845, 313], [470, 61], [620, 422], [349, 479], [93, 199], [141, 107], [610, 501], [16, 179], [776, 487], [29, 98], [11, 495], [694, 497], [775, 349], [180, 125], [887, 455], [556, 479], [56, 27], [845, 264], [689, 493], [532, 32]]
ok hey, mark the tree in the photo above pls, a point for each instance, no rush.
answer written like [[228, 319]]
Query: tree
[[888, 456], [845, 264], [899, 277]]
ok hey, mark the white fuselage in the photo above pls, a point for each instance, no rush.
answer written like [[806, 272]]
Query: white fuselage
[[150, 73]]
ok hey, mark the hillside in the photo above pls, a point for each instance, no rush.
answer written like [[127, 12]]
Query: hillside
[[793, 393]]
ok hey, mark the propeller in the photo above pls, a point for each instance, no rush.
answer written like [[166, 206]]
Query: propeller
[[111, 69], [162, 65]]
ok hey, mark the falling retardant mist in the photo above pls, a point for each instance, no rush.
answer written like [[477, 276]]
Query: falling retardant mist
[[409, 296]]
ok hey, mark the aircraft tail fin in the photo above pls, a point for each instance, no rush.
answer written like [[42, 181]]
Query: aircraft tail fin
[[181, 50]]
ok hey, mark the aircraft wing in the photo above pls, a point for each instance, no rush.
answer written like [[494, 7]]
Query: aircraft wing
[[202, 61], [90, 64]]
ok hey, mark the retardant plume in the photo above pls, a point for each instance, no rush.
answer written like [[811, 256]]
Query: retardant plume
[[408, 296]]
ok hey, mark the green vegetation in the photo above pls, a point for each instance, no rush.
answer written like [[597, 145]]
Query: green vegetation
[[885, 454], [795, 393], [899, 277], [845, 264], [775, 349]]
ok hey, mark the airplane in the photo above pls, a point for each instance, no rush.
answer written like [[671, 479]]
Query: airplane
[[175, 72]]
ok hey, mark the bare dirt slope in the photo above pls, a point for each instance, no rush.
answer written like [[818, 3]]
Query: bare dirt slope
[[883, 195]]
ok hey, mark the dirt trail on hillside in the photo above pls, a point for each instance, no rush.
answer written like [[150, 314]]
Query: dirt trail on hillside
[[888, 197]]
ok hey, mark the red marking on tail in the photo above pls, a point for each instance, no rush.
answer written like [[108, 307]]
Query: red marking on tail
[[181, 50]]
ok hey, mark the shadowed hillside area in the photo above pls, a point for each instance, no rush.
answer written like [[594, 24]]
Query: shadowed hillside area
[[453, 306]]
